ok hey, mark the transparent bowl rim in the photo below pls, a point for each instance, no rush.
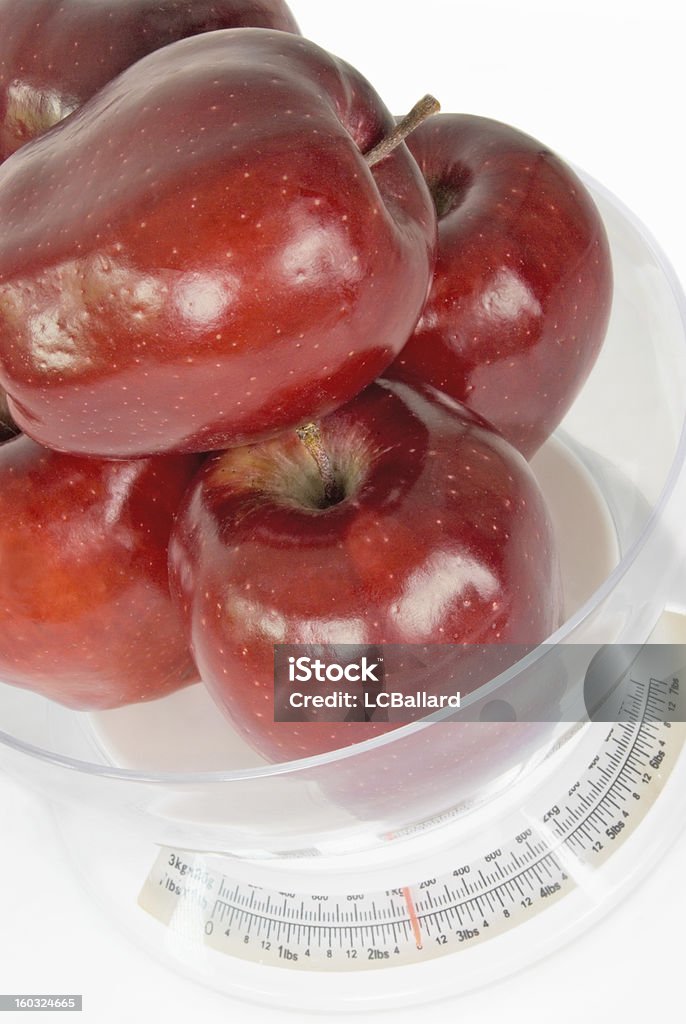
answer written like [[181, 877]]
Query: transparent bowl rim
[[354, 750]]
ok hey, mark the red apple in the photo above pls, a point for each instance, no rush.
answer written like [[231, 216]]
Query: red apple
[[56, 55], [431, 530], [522, 288], [201, 255], [85, 611]]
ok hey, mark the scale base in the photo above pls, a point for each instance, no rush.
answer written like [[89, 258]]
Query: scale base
[[452, 909]]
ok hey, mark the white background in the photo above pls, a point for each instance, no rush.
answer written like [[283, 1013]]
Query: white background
[[600, 81]]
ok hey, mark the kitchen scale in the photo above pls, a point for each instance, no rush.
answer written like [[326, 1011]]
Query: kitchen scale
[[397, 871]]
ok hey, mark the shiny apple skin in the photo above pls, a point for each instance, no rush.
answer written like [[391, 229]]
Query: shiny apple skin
[[55, 56], [200, 256], [85, 612], [443, 538], [522, 288]]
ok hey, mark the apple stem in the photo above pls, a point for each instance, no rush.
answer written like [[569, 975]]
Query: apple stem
[[8, 428], [311, 437], [427, 106]]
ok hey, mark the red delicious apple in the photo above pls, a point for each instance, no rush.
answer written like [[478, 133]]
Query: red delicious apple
[[56, 55], [430, 530], [202, 254], [522, 288], [85, 611]]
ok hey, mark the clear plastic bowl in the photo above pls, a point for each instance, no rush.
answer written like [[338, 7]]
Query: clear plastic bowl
[[175, 773]]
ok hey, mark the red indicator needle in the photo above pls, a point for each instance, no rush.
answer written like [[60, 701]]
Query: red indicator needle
[[414, 920]]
